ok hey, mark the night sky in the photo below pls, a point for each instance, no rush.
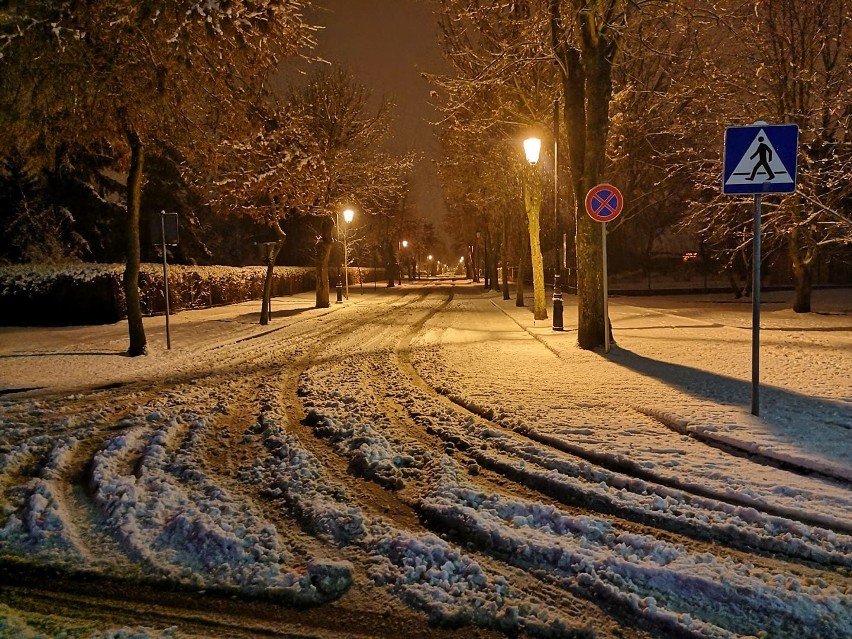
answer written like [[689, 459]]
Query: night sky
[[387, 44]]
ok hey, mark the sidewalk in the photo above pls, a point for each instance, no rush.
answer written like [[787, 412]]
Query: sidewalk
[[59, 358], [685, 361]]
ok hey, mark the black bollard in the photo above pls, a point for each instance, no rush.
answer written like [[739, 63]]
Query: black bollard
[[339, 291], [557, 304]]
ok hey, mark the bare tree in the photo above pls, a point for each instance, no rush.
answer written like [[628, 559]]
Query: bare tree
[[348, 136], [787, 61], [273, 172], [586, 39]]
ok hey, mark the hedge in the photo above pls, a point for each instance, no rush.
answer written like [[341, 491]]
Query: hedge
[[79, 294]]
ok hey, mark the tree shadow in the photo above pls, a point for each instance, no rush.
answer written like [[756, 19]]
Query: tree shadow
[[783, 410], [254, 317], [704, 384], [122, 353]]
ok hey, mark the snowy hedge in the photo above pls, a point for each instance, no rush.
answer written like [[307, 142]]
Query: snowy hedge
[[77, 293]]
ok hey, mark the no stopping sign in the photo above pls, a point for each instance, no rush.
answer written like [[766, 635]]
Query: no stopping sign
[[604, 202]]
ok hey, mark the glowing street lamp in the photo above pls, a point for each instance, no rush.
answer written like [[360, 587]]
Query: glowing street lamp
[[429, 258], [348, 216], [532, 149]]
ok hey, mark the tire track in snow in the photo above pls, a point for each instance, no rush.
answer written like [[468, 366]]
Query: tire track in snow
[[572, 492], [501, 417], [377, 378]]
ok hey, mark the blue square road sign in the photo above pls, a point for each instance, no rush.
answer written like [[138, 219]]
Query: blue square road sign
[[760, 158]]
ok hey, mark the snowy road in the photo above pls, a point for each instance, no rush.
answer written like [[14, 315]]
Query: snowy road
[[430, 454]]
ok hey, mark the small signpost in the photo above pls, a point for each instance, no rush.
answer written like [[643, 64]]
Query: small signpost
[[604, 203], [168, 231], [759, 159]]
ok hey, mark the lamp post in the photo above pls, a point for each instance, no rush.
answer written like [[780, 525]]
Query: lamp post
[[429, 269], [348, 216], [402, 244], [532, 201], [558, 266], [532, 149]]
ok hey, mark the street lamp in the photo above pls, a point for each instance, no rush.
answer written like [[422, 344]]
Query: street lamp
[[429, 270], [402, 244], [348, 216], [532, 149]]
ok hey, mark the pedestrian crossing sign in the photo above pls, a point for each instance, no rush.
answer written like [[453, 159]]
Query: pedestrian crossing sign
[[760, 158]]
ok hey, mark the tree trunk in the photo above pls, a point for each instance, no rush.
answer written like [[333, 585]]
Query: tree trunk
[[324, 246], [390, 265], [486, 261], [532, 201], [591, 324], [732, 280], [505, 255], [138, 343], [803, 272], [474, 256], [493, 279], [266, 305], [525, 252], [587, 89]]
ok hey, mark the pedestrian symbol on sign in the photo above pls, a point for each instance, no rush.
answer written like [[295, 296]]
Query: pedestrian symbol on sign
[[764, 152]]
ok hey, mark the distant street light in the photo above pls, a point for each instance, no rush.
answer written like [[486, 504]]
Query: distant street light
[[429, 270], [348, 216]]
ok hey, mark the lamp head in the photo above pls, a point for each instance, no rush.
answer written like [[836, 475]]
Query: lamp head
[[532, 149], [348, 215]]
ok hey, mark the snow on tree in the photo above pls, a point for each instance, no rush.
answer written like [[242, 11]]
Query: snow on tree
[[788, 62], [347, 136], [500, 92], [137, 77]]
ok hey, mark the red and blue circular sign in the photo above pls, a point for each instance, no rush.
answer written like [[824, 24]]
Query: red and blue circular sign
[[604, 202]]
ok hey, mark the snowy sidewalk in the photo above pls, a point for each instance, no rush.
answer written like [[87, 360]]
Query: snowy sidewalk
[[686, 362], [56, 358]]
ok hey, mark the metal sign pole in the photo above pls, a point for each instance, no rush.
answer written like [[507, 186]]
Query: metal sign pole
[[755, 314], [605, 289], [166, 278]]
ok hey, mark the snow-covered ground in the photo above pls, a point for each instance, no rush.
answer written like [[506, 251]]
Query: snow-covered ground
[[432, 453]]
